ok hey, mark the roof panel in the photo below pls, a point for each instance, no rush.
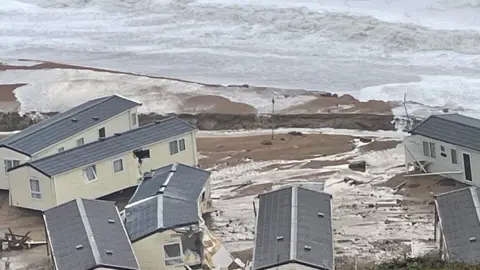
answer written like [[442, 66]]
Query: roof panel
[[456, 129], [59, 127], [111, 146], [459, 220], [68, 228], [313, 230], [274, 220], [142, 218]]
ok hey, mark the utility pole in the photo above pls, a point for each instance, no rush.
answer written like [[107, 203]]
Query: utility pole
[[273, 117]]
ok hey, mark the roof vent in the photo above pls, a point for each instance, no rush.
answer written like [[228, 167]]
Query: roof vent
[[473, 239], [157, 121], [320, 214], [101, 138], [79, 247], [279, 238], [109, 252], [111, 221], [307, 247], [117, 134], [95, 118], [74, 119], [147, 175]]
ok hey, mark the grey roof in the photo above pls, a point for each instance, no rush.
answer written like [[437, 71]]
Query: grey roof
[[88, 223], [291, 229], [184, 182], [168, 199], [109, 147], [61, 126], [454, 128], [458, 212]]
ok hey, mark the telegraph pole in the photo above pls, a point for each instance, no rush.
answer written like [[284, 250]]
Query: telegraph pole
[[273, 116]]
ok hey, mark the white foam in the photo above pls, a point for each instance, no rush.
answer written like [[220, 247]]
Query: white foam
[[59, 89]]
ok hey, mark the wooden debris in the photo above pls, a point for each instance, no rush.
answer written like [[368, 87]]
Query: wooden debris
[[17, 241]]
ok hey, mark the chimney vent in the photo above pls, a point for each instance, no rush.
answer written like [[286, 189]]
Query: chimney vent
[[79, 247], [111, 221], [74, 119], [95, 118]]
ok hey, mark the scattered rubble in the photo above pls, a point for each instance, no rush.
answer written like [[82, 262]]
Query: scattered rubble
[[358, 165]]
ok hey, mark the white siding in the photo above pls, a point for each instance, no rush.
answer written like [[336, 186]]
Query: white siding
[[440, 163]]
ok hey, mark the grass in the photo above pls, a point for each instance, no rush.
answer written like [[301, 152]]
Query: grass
[[423, 263]]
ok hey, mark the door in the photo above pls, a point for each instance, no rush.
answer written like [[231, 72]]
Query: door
[[467, 167]]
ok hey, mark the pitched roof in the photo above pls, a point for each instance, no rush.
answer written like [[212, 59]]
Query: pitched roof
[[294, 225], [454, 128], [459, 217], [168, 199], [175, 180], [84, 234], [109, 147], [62, 126]]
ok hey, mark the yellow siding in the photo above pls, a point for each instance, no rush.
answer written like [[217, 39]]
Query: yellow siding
[[6, 153], [149, 251], [20, 189], [117, 124], [73, 184], [160, 153]]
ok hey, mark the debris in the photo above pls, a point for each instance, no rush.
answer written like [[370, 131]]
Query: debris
[[295, 133], [351, 181], [15, 241], [266, 142], [365, 139], [359, 165]]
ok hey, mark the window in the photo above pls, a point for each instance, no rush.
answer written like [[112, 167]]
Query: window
[[90, 173], [453, 152], [442, 151], [101, 133], [80, 142], [173, 254], [173, 147], [61, 149], [35, 188], [134, 119], [118, 165], [181, 144], [442, 148], [10, 164], [432, 150], [426, 150]]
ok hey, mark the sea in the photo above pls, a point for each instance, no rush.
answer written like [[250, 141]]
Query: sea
[[426, 50]]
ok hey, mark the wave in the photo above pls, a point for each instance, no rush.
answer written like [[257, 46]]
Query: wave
[[254, 22]]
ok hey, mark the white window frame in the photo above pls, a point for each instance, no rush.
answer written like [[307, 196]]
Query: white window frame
[[170, 147], [184, 145], [11, 165], [104, 131], [80, 140], [94, 173], [61, 149], [181, 257], [454, 155], [113, 163], [134, 119], [35, 194]]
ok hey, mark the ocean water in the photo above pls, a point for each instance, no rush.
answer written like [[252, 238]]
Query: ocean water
[[372, 49]]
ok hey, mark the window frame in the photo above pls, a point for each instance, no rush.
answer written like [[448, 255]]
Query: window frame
[[180, 257], [121, 162], [94, 173], [12, 165], [426, 149], [170, 147], [34, 193], [433, 152], [453, 153], [134, 119], [104, 133], [82, 140], [180, 142]]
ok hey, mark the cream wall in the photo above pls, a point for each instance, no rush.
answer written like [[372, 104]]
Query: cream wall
[[149, 251], [20, 189], [73, 184], [160, 153], [6, 153], [117, 124]]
